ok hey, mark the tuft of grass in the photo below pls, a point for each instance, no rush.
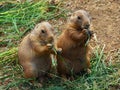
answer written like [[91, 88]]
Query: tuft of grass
[[8, 57], [102, 77]]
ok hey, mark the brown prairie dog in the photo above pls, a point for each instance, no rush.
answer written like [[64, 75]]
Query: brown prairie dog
[[75, 54], [35, 49]]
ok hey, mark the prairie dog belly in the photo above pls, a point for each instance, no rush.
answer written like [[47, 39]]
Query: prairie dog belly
[[42, 64]]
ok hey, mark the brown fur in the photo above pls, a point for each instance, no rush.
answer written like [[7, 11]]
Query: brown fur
[[75, 55], [34, 51]]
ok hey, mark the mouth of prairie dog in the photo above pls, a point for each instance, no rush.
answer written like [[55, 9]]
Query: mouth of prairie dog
[[88, 33]]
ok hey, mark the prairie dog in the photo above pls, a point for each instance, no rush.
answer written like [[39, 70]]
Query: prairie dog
[[74, 57], [35, 49]]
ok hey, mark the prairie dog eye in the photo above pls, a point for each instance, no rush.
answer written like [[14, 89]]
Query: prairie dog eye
[[79, 17], [42, 31]]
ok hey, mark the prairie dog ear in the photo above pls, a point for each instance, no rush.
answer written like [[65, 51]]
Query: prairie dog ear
[[36, 26]]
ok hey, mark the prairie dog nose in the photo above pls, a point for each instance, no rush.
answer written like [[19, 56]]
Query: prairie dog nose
[[87, 26], [50, 39]]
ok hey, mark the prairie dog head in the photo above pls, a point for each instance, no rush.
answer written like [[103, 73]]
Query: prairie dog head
[[44, 33], [80, 19]]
